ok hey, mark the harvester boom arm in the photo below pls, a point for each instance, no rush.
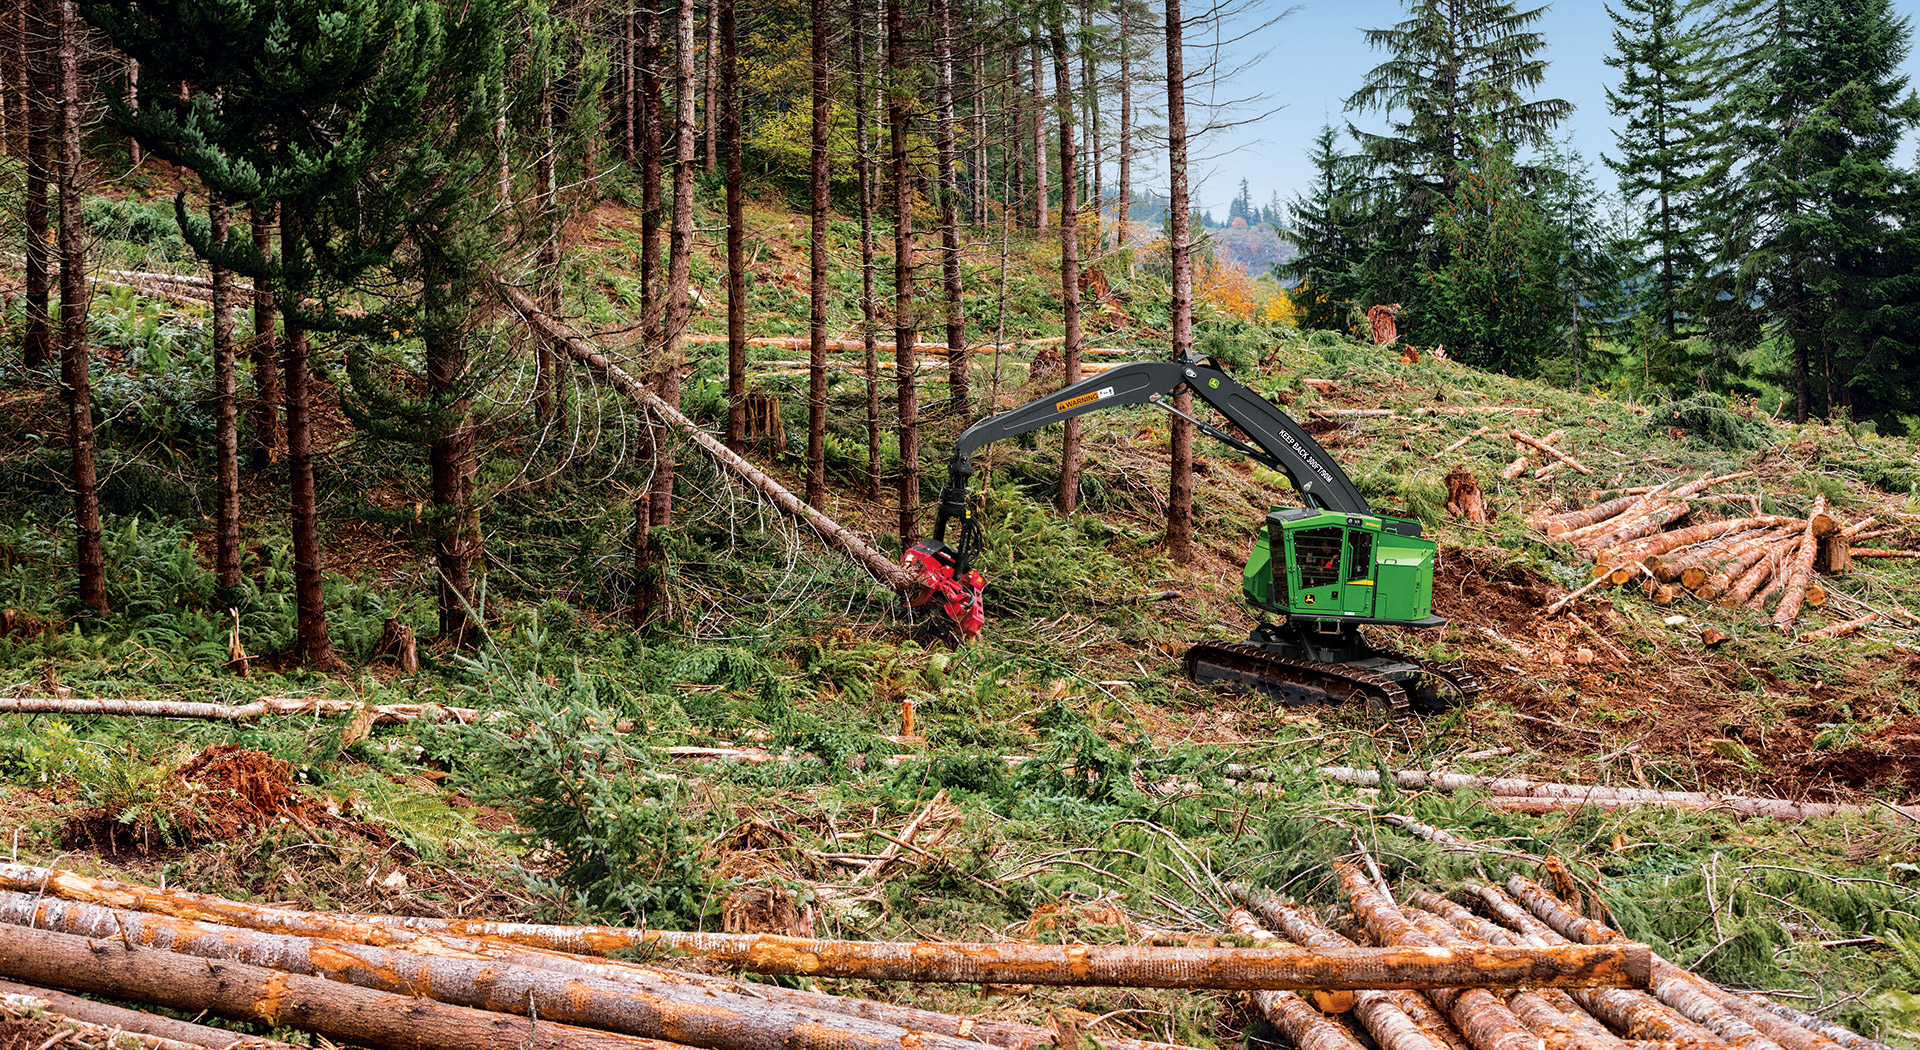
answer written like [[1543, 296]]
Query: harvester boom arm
[[1278, 442]]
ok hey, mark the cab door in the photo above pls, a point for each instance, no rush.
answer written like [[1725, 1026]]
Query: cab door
[[1356, 596], [1333, 571]]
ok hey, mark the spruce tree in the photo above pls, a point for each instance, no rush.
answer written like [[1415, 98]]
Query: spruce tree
[[1329, 229], [1663, 84], [1825, 194], [296, 100], [1458, 80], [1493, 297]]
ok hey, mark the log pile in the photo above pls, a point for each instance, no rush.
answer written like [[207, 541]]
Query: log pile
[[1648, 536], [1435, 977]]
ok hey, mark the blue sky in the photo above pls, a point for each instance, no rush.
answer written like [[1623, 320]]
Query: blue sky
[[1316, 56]]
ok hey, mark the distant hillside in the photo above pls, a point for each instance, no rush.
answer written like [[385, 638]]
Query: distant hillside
[[1255, 248]]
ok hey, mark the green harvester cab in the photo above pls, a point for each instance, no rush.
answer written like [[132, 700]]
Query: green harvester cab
[[1358, 568]]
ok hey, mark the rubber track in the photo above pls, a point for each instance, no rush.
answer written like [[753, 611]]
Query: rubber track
[[1290, 670], [1463, 681]]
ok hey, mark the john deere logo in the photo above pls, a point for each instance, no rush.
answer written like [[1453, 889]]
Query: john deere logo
[[1309, 599], [1214, 383]]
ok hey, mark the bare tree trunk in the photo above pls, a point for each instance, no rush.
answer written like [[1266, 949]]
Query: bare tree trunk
[[863, 164], [817, 265], [1090, 116], [74, 294], [679, 261], [1069, 496], [1180, 484], [1123, 190], [226, 414], [958, 394], [653, 434], [650, 116], [267, 436], [456, 526], [899, 103], [312, 645], [38, 340], [545, 359], [1014, 149], [978, 64], [711, 76], [1041, 195], [736, 231], [133, 103], [629, 84]]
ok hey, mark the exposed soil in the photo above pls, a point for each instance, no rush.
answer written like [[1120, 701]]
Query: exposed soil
[[222, 794]]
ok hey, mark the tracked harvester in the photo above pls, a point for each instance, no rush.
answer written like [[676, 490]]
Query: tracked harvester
[[1324, 571]]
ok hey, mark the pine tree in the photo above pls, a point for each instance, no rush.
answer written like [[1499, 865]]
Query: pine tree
[[296, 99], [1329, 227], [1457, 80], [1662, 88], [1492, 297], [1827, 193]]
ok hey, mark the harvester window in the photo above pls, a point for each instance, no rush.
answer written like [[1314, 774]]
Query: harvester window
[[1362, 555], [1317, 552]]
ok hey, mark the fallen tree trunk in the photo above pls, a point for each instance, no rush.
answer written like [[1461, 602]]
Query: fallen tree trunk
[[1879, 552], [1641, 504], [1850, 1039], [1555, 1029], [382, 714], [260, 995], [1549, 450], [1583, 1029], [1740, 805], [1841, 630], [685, 1013], [1654, 552], [1645, 524], [1703, 1002], [1382, 1012], [400, 932], [1011, 963], [1486, 1021], [1462, 443], [1558, 525], [1800, 571], [882, 568], [1306, 1027], [166, 1030], [1634, 1012], [1729, 573], [1696, 573]]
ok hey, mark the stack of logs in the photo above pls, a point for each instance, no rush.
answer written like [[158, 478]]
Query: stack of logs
[[1741, 562], [1434, 978]]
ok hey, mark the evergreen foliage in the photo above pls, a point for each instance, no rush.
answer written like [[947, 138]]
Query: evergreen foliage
[[1457, 81]]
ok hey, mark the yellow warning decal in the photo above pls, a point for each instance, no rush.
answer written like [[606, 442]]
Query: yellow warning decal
[[1076, 402]]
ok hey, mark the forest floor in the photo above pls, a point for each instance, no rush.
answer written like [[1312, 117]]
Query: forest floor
[[772, 642]]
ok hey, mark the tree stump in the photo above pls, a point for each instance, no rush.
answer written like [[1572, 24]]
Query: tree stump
[[763, 421], [1464, 492]]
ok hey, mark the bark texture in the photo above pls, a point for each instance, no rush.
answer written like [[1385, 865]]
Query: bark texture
[[1069, 497], [899, 124], [74, 296], [1180, 481], [817, 267]]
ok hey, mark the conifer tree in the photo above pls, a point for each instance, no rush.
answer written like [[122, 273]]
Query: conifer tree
[[1660, 55], [1458, 79], [1328, 226], [295, 98], [1826, 192]]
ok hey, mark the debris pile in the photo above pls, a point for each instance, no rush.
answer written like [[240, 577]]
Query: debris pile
[[1738, 562], [1525, 973]]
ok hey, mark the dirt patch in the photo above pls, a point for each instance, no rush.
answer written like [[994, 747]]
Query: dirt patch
[[1890, 756], [25, 1033], [222, 794]]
